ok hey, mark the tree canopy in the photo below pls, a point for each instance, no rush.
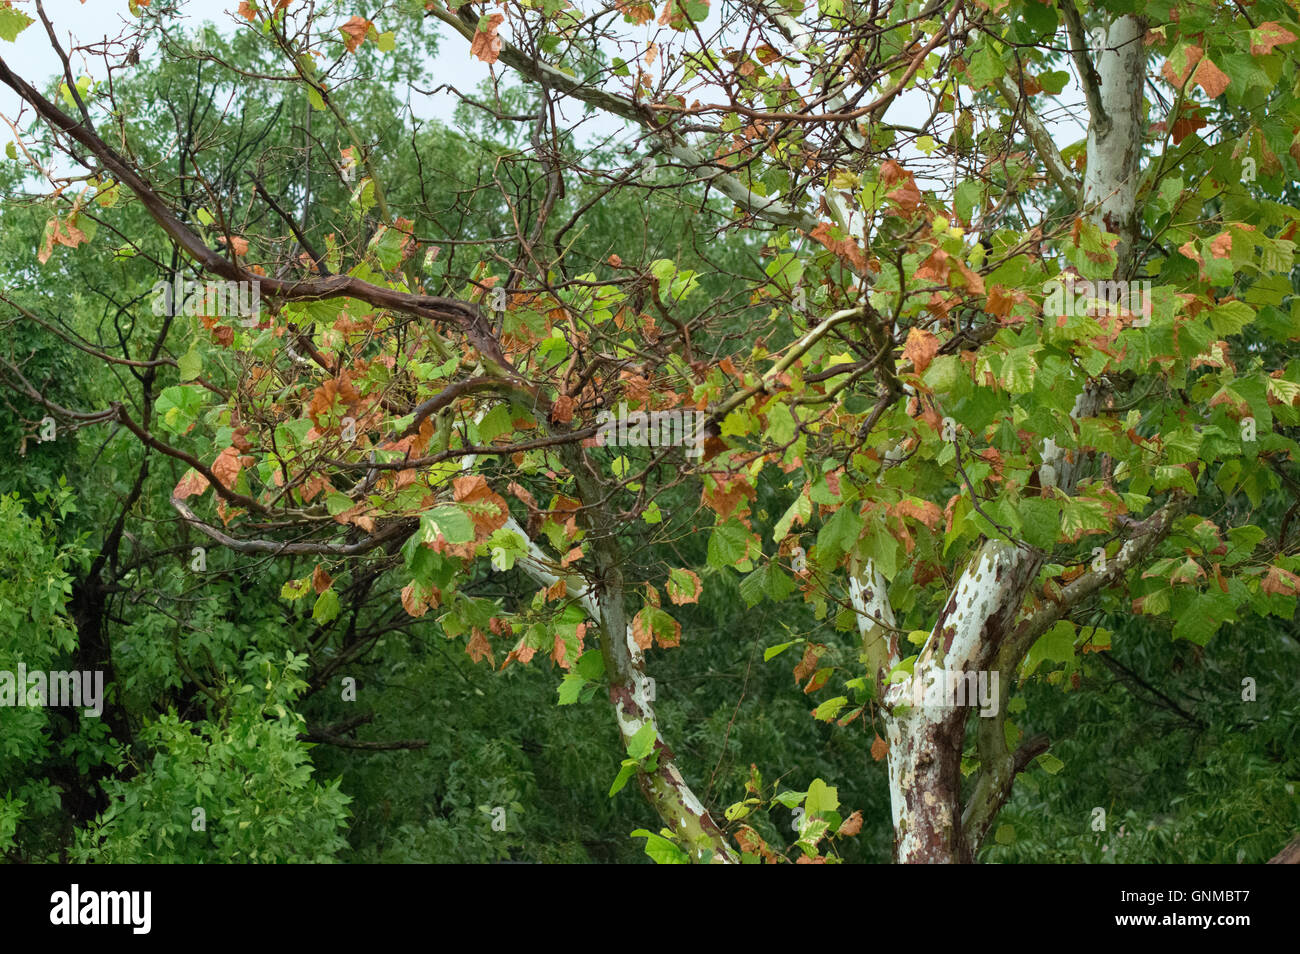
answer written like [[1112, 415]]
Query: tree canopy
[[429, 468]]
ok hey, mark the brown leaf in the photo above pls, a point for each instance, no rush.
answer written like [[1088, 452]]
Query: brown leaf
[[879, 749], [479, 647], [246, 11], [846, 248], [642, 634], [320, 579], [851, 825], [227, 466], [562, 409], [1221, 245], [1194, 54], [1187, 123], [486, 45], [238, 245], [354, 32], [1210, 78], [1281, 582], [192, 483], [808, 664], [412, 602], [920, 349], [1271, 34], [486, 508]]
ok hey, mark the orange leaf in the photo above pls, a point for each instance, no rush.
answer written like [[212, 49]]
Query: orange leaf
[[486, 508], [846, 248], [1210, 78], [920, 349], [557, 590], [851, 825], [354, 33], [1270, 34], [237, 244], [1193, 56], [641, 632], [679, 595], [479, 647], [637, 13], [412, 602], [925, 511], [486, 45], [227, 466], [879, 749], [192, 483]]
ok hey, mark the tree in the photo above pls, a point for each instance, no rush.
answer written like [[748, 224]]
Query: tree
[[959, 388]]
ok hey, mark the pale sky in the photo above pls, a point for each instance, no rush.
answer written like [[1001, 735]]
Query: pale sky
[[33, 58]]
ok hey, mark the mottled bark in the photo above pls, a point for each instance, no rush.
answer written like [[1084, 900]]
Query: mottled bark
[[979, 627]]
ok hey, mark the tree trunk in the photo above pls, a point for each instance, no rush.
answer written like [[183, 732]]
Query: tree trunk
[[925, 742]]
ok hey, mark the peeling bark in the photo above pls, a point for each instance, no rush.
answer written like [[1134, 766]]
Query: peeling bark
[[978, 628]]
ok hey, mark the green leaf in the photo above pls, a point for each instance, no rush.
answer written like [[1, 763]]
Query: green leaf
[[780, 424], [822, 798], [13, 22], [178, 407], [295, 589], [190, 364], [728, 544], [829, 709], [661, 850], [570, 688], [773, 651], [1055, 645], [625, 772], [495, 423], [450, 521], [1050, 764], [1040, 521], [1054, 81], [336, 503], [327, 606], [642, 742], [839, 534]]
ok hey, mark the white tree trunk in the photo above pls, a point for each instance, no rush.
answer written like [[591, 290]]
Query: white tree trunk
[[925, 742]]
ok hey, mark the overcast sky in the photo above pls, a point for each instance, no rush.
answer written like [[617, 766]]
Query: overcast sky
[[33, 58]]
